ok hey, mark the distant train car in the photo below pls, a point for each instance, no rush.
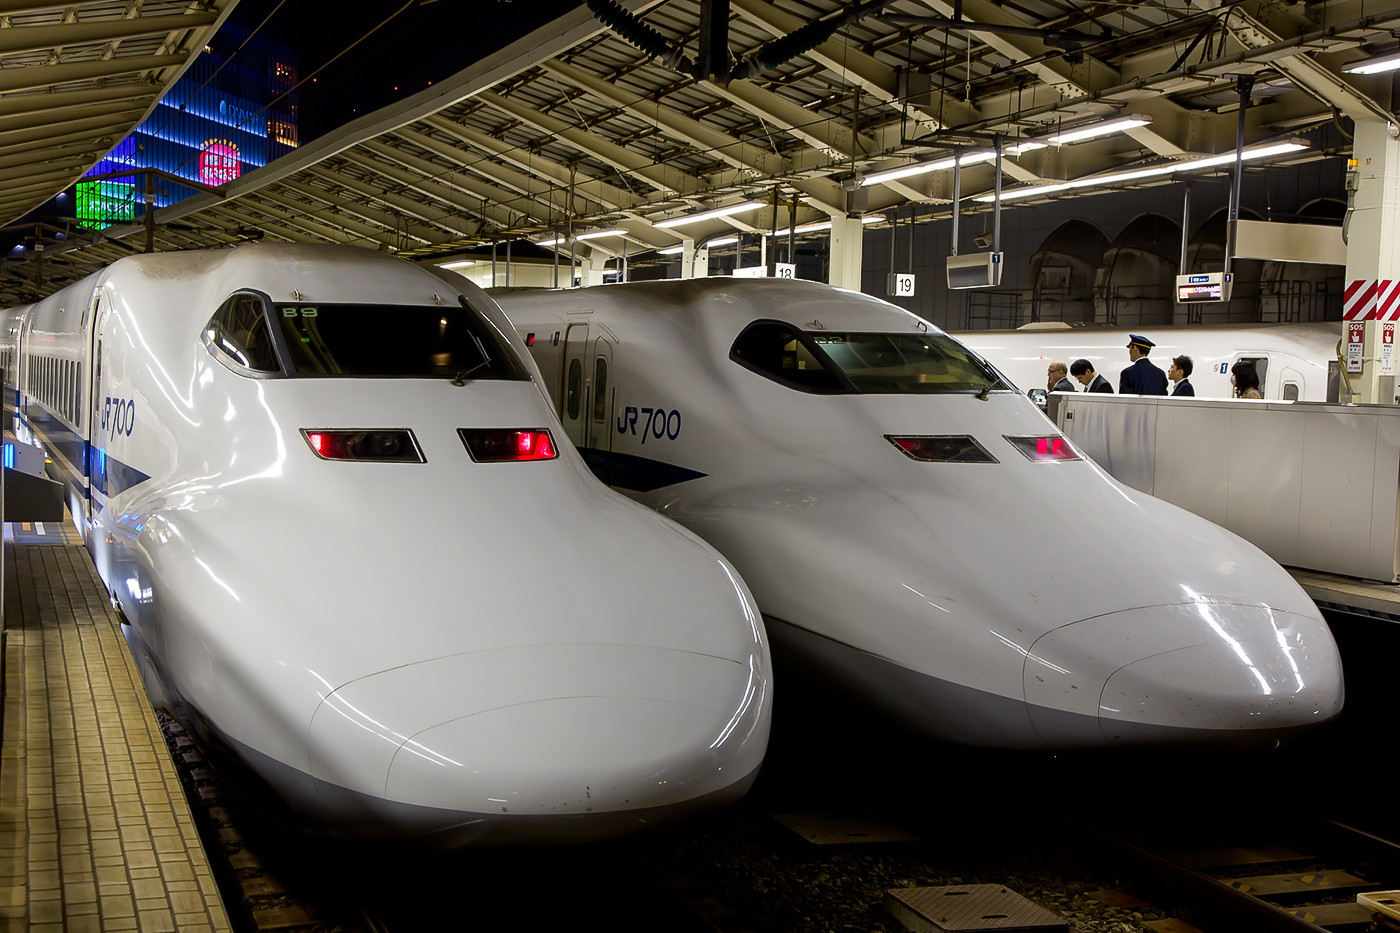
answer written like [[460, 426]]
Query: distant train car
[[1292, 359], [337, 511], [915, 531]]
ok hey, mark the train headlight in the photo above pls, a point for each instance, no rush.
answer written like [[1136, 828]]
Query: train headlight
[[497, 445], [942, 448], [396, 446], [1044, 447]]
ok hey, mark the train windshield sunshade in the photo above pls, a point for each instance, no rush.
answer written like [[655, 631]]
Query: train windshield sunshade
[[907, 364], [827, 363], [448, 342]]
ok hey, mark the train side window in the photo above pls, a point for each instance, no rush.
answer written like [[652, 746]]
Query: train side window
[[1290, 391], [600, 389], [779, 352], [239, 330], [573, 389]]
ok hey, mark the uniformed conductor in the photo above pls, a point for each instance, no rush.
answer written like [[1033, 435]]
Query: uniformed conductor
[[1141, 378]]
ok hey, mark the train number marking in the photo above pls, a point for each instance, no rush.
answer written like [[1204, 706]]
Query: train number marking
[[118, 416], [657, 422]]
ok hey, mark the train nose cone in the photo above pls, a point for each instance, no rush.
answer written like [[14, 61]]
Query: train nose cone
[[547, 730], [1197, 671]]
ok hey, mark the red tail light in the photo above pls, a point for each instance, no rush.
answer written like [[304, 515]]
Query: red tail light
[[1049, 447], [942, 448], [496, 445], [394, 446]]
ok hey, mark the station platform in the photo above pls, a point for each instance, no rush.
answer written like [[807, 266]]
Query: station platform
[[95, 831], [1344, 594]]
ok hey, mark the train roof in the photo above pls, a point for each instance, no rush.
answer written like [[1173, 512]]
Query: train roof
[[731, 302]]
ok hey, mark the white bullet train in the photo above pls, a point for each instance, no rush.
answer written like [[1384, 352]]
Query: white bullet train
[[332, 502], [914, 529], [1292, 359]]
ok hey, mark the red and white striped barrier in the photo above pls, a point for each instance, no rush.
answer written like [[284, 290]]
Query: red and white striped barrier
[[1372, 299]]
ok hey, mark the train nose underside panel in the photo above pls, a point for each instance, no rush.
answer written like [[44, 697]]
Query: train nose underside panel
[[1206, 671], [531, 732]]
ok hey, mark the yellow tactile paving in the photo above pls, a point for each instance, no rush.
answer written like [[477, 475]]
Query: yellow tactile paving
[[95, 832]]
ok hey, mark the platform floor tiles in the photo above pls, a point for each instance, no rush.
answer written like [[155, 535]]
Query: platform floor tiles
[[95, 832]]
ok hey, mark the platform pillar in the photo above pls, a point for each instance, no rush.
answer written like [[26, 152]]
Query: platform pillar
[[846, 248], [695, 263], [1373, 266]]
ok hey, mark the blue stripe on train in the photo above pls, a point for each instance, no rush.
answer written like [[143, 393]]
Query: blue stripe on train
[[107, 475], [638, 474]]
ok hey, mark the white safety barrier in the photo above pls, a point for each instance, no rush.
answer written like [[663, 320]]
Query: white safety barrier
[[1314, 485]]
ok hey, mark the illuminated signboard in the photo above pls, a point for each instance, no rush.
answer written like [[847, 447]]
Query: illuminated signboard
[[103, 203], [234, 111], [218, 162], [1210, 286]]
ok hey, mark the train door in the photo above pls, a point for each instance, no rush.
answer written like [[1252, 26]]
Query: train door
[[97, 442], [89, 398], [1261, 366], [599, 433], [573, 407], [22, 374]]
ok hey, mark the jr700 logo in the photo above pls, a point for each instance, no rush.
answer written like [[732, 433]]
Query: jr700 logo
[[656, 422], [118, 416]]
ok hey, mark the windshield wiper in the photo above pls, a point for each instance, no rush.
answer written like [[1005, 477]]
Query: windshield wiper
[[988, 388], [461, 378]]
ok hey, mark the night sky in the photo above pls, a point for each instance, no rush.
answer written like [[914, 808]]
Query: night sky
[[423, 41]]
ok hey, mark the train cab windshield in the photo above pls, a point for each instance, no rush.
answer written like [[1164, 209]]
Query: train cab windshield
[[870, 363], [364, 340]]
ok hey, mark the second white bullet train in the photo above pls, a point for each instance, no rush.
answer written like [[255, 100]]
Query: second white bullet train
[[913, 528], [353, 550]]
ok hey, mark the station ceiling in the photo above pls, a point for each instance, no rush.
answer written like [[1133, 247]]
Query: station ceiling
[[76, 77], [625, 114]]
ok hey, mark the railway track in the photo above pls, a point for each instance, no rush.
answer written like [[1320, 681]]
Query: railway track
[[1283, 872], [277, 880]]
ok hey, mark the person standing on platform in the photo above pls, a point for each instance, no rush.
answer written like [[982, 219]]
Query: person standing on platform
[[1180, 373], [1141, 378], [1083, 370], [1057, 378]]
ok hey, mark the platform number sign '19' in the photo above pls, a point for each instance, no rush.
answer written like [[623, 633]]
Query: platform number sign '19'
[[118, 416]]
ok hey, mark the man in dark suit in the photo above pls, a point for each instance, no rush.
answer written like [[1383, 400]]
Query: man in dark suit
[[1141, 378], [1180, 373], [1083, 370], [1057, 378]]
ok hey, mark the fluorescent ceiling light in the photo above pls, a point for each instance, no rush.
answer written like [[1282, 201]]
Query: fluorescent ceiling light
[[1374, 65], [582, 236], [923, 168], [1132, 175], [1022, 148], [671, 250], [709, 215], [1099, 129], [458, 265], [722, 241], [826, 225]]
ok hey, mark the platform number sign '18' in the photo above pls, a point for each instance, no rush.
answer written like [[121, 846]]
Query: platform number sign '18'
[[118, 416]]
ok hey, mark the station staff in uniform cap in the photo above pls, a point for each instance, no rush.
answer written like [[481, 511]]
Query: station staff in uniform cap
[[1141, 378]]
